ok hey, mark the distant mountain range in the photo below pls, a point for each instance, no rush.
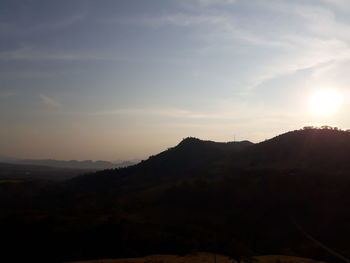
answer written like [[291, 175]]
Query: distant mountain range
[[27, 172], [87, 164]]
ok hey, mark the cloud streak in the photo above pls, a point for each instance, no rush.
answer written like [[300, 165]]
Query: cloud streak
[[28, 53], [14, 29], [229, 113], [162, 112], [7, 94], [211, 2], [322, 38], [49, 101]]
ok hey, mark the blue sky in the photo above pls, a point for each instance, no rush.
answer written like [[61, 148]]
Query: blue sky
[[84, 79]]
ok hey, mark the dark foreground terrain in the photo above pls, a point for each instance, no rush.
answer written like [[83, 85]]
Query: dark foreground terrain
[[203, 258], [288, 195]]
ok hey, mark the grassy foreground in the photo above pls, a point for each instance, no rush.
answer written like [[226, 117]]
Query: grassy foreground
[[202, 258]]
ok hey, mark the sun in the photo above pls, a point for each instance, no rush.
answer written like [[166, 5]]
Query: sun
[[325, 102]]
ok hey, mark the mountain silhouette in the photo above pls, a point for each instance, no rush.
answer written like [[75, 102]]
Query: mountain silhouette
[[235, 198], [315, 149], [72, 164], [189, 158], [300, 150]]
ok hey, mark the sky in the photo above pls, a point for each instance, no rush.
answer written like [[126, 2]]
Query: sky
[[125, 79]]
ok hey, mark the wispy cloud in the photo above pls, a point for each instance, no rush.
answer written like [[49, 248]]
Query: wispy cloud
[[212, 2], [182, 19], [323, 41], [30, 53], [8, 28], [342, 4], [7, 94], [228, 112], [316, 38], [218, 28], [49, 101], [309, 53], [162, 112]]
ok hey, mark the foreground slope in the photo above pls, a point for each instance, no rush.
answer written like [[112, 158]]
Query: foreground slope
[[203, 258]]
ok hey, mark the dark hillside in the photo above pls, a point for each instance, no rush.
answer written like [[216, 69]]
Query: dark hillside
[[315, 149], [239, 199], [191, 157]]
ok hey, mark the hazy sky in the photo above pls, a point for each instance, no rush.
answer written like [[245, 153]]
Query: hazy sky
[[123, 79]]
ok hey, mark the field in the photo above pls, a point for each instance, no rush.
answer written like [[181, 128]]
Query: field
[[202, 258]]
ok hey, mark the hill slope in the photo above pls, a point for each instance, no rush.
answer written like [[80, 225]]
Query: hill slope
[[238, 199], [317, 149]]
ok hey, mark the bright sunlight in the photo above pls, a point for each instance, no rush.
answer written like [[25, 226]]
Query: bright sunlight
[[325, 102]]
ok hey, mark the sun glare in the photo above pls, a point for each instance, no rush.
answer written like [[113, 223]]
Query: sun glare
[[325, 102]]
